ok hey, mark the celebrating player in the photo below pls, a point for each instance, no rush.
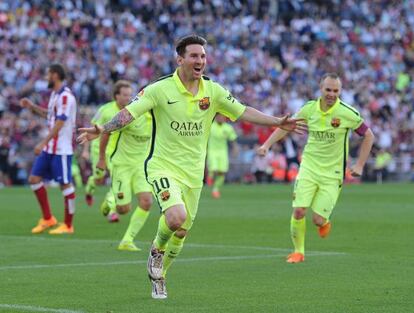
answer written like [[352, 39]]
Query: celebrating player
[[182, 106], [54, 153], [322, 170]]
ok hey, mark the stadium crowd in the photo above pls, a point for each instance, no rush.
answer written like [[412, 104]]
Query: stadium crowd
[[270, 54]]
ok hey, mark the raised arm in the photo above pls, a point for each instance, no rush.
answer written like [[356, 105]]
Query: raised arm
[[120, 120], [286, 123], [28, 104]]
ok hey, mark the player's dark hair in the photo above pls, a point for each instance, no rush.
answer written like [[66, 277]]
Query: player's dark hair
[[189, 40], [119, 85], [331, 75], [58, 69]]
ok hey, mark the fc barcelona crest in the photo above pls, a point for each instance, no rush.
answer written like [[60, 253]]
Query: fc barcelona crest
[[165, 195], [204, 103], [335, 122]]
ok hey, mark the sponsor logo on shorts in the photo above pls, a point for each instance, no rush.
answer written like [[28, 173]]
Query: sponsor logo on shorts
[[165, 195], [204, 103], [120, 195]]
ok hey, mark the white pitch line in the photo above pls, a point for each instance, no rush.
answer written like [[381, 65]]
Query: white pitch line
[[194, 245], [31, 308], [185, 260]]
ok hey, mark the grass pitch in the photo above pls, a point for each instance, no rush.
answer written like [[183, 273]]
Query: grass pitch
[[233, 259]]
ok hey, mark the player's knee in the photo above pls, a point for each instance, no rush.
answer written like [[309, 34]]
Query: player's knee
[[299, 213], [318, 220], [175, 218], [145, 203], [123, 209], [180, 233], [34, 179]]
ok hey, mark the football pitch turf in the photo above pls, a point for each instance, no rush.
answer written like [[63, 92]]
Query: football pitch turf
[[232, 261]]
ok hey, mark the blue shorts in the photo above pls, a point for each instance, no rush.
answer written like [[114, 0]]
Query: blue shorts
[[53, 166]]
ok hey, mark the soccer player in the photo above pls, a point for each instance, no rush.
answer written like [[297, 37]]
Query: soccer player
[[54, 153], [128, 174], [182, 106], [101, 151], [217, 152], [322, 169]]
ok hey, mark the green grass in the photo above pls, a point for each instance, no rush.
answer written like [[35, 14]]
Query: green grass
[[233, 259]]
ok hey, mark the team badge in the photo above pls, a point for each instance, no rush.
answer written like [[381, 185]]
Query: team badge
[[120, 195], [335, 122], [165, 195], [204, 103]]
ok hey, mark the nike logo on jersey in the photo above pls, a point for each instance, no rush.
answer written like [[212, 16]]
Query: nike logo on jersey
[[171, 102]]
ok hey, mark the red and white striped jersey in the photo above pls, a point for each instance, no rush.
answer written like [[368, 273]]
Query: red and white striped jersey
[[62, 106]]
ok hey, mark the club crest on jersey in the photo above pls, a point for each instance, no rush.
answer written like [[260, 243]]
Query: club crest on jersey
[[204, 103], [165, 195], [335, 122], [120, 195]]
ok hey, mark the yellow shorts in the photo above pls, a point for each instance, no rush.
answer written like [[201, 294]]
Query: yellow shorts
[[319, 195], [218, 162], [126, 181], [169, 192]]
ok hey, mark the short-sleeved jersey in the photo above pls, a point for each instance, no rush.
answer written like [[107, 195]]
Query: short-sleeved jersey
[[220, 134], [132, 146], [181, 125], [62, 106], [326, 151], [104, 114]]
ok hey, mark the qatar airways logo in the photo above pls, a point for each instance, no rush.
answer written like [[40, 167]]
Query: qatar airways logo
[[323, 136], [186, 129]]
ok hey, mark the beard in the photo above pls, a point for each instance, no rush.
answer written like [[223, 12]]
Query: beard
[[50, 84]]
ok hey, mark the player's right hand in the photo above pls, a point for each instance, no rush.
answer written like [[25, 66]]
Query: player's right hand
[[88, 134], [101, 165], [262, 151], [26, 103]]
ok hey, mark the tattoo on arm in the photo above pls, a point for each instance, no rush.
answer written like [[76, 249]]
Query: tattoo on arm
[[120, 120]]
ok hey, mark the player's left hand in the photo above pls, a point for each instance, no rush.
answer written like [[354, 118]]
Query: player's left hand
[[356, 171], [38, 149], [88, 134], [296, 125]]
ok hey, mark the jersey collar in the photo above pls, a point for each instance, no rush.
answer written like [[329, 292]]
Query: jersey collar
[[332, 108], [184, 90]]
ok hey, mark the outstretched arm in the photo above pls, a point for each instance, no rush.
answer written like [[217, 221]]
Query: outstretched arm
[[364, 151], [120, 120], [254, 116]]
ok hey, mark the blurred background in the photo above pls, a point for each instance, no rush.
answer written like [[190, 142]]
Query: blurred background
[[270, 54]]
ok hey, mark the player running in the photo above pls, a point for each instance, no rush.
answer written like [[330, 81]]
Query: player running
[[324, 158]]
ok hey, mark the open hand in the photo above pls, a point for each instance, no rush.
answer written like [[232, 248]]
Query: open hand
[[296, 125], [26, 103], [88, 134]]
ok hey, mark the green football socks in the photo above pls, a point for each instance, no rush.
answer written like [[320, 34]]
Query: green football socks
[[138, 219], [218, 182], [297, 232], [164, 234], [174, 247]]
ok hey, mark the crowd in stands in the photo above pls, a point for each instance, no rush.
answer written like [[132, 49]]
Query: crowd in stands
[[270, 54]]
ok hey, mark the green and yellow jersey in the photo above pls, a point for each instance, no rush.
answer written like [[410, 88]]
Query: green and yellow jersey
[[326, 151], [132, 146], [220, 134], [104, 114], [181, 125]]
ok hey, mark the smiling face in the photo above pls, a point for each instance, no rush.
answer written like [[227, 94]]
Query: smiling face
[[330, 90], [192, 62]]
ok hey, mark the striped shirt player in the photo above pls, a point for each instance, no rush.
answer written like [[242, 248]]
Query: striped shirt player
[[54, 153]]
